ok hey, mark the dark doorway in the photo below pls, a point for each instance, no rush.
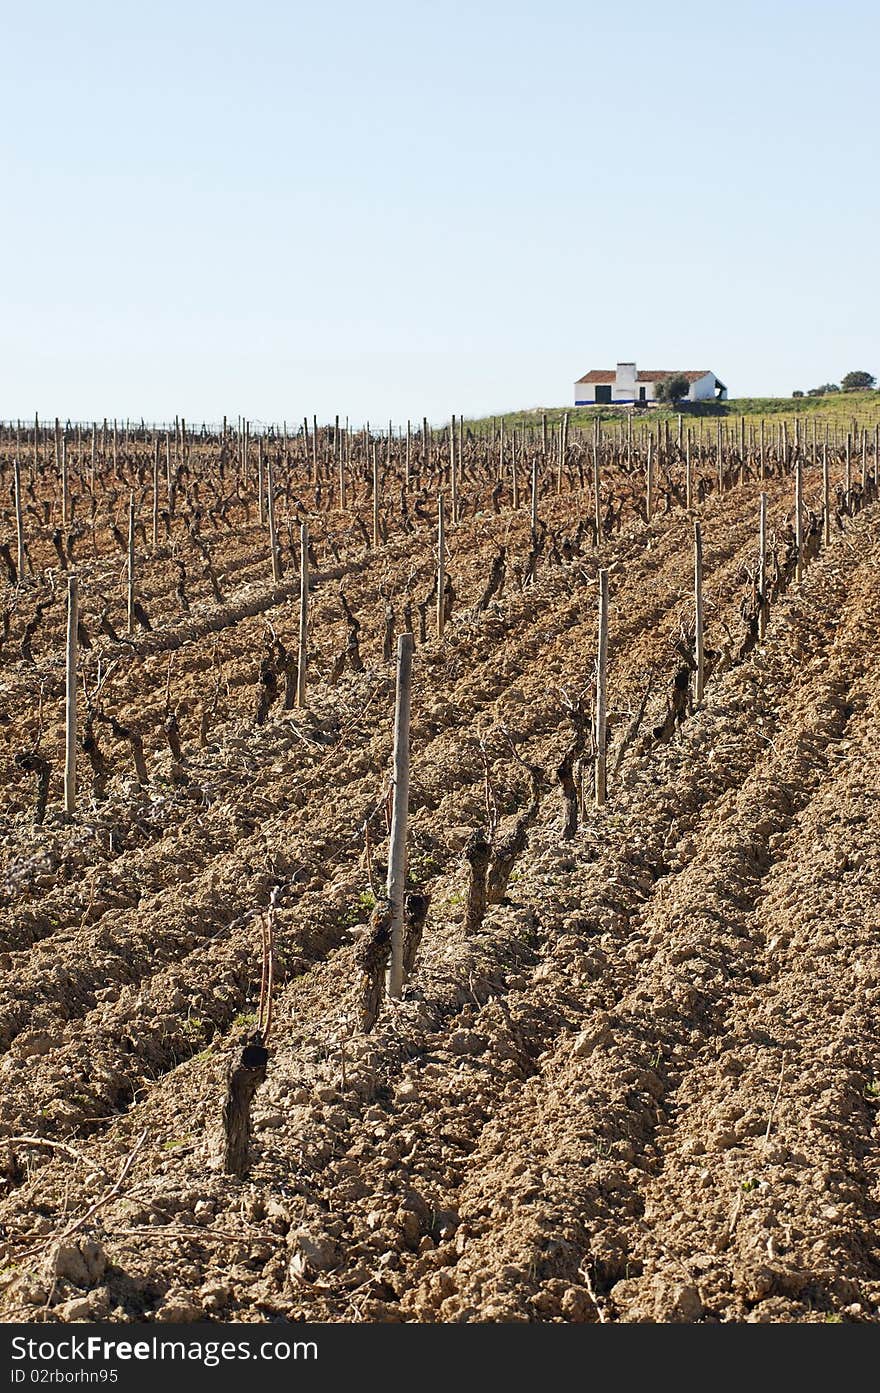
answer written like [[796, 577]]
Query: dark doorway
[[603, 394], [642, 393]]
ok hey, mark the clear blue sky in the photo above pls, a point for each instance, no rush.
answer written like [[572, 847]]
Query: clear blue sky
[[402, 208]]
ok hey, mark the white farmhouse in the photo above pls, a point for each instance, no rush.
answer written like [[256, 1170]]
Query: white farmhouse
[[628, 387]]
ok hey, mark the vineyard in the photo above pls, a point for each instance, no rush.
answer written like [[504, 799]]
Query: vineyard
[[604, 1046]]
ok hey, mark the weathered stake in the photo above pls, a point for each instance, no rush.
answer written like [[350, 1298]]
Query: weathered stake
[[601, 693], [441, 566], [261, 495], [70, 699], [649, 482], [302, 653], [563, 450], [762, 568], [65, 486], [700, 676], [799, 514], [270, 503], [534, 499], [400, 806], [19, 525], [155, 492], [130, 565]]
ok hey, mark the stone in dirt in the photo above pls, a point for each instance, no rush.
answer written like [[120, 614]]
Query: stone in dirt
[[83, 1264], [467, 1042], [312, 1253], [179, 1308]]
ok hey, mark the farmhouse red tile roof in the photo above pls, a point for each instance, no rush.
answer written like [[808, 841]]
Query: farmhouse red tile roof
[[648, 375]]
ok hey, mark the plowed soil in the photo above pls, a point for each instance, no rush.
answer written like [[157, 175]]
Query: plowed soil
[[646, 1090]]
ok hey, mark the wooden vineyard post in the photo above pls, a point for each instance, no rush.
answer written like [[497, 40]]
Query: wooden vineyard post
[[399, 809], [649, 482], [700, 676], [375, 496], [847, 482], [601, 693], [762, 454], [156, 492], [408, 457], [460, 474], [799, 514], [688, 475], [563, 448], [597, 505], [261, 492], [680, 425], [303, 649], [70, 699], [270, 506], [720, 452], [453, 472], [19, 524], [762, 568], [826, 497], [441, 566], [65, 486], [169, 485], [341, 462], [534, 499], [130, 566]]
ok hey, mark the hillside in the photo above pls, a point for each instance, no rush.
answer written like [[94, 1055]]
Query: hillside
[[841, 410]]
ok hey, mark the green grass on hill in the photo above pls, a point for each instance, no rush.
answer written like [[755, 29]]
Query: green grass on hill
[[839, 409]]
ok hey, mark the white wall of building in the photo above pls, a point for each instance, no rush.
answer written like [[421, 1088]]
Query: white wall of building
[[626, 389], [584, 393], [703, 389]]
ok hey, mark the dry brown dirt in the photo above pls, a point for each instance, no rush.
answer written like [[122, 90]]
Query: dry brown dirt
[[646, 1090]]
